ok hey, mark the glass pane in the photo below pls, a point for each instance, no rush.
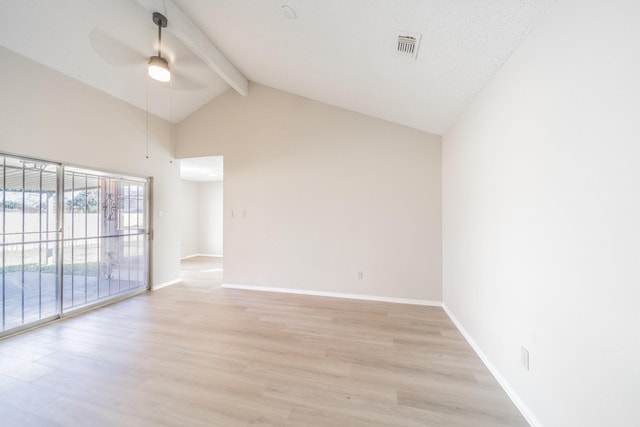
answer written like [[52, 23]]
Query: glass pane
[[107, 259], [13, 203], [28, 216], [79, 206], [32, 203], [48, 281], [13, 286]]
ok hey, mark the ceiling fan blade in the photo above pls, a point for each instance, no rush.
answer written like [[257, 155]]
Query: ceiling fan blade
[[118, 53], [180, 82], [114, 51]]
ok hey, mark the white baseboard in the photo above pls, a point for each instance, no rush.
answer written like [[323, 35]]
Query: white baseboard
[[515, 398], [334, 294], [165, 284], [196, 255]]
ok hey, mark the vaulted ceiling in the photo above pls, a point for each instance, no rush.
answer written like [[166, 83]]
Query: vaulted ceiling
[[340, 52]]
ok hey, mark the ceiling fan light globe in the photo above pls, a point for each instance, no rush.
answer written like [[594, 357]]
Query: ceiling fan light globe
[[159, 69]]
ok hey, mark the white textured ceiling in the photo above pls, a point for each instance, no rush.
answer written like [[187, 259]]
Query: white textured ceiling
[[341, 52], [106, 44]]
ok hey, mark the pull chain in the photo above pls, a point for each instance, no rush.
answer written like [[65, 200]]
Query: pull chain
[[171, 153], [147, 117]]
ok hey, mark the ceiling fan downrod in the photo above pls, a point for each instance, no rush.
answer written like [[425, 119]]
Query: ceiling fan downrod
[[161, 21]]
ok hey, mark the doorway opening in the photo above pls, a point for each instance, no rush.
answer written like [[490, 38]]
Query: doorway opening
[[201, 188]]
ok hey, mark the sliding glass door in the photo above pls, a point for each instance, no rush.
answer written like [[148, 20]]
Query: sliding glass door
[[105, 237], [30, 238], [71, 238]]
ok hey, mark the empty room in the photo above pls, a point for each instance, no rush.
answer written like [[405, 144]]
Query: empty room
[[428, 213]]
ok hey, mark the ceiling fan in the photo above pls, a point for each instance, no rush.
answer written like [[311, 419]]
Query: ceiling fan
[[158, 66], [121, 54], [200, 54]]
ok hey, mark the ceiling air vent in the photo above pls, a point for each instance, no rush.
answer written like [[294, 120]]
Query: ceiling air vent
[[408, 44]]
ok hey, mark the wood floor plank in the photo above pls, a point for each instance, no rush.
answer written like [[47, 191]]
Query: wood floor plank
[[195, 354]]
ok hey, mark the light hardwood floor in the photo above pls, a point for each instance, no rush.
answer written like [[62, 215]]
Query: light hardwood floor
[[194, 354]]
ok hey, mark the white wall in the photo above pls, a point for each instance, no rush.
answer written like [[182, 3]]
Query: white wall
[[47, 115], [319, 193], [210, 212], [541, 212], [201, 218], [188, 218]]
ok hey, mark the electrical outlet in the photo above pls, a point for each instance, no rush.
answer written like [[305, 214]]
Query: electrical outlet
[[524, 358], [360, 275]]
